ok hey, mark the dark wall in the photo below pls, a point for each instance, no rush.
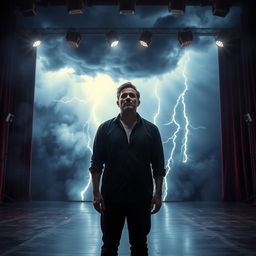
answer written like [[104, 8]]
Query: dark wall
[[17, 97]]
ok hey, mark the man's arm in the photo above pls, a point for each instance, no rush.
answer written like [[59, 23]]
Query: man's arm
[[157, 162], [95, 182], [159, 185], [97, 162], [157, 198], [98, 201]]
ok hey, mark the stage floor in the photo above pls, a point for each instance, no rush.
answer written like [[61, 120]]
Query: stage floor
[[179, 229]]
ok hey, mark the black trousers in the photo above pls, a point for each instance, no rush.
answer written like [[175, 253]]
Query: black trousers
[[138, 217]]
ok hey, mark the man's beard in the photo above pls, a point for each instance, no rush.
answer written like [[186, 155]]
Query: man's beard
[[129, 108]]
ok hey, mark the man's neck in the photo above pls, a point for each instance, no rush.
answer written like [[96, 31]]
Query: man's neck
[[128, 118]]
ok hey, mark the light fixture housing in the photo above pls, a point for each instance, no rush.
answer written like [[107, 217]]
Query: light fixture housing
[[36, 43], [145, 38], [112, 38], [36, 38], [177, 6], [73, 38], [185, 38], [75, 6], [220, 8], [28, 8], [127, 6], [221, 39]]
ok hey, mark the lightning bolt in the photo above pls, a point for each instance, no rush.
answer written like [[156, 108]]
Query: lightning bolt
[[180, 102], [185, 139], [87, 131], [66, 101]]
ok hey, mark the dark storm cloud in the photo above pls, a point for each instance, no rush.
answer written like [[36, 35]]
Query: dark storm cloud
[[200, 17], [136, 61], [197, 181], [62, 157], [94, 56], [150, 11], [58, 132], [53, 49], [97, 16]]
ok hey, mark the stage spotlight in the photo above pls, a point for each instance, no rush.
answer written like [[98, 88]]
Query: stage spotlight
[[36, 43], [145, 38], [28, 8], [75, 6], [221, 39], [112, 38], [126, 6], [73, 38], [185, 38], [36, 39], [220, 8], [177, 6]]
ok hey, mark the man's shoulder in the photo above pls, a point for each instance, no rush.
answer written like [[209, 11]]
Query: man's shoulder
[[107, 123], [148, 124]]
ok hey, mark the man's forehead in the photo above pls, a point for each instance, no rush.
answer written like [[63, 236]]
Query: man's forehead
[[128, 90]]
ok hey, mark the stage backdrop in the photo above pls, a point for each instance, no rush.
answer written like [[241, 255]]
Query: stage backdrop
[[76, 91]]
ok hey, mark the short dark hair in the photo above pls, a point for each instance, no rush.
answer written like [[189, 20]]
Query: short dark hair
[[127, 85]]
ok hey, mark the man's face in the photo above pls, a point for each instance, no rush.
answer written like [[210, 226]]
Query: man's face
[[128, 100]]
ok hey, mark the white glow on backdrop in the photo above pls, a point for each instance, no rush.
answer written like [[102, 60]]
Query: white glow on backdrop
[[81, 102]]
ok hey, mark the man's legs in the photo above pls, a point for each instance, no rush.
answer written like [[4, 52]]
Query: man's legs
[[112, 223], [139, 224]]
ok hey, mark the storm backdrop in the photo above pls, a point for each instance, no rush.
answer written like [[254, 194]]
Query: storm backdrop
[[76, 91]]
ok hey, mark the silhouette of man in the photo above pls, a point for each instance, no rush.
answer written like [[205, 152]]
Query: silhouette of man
[[128, 151]]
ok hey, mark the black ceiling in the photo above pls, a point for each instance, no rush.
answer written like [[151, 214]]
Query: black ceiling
[[138, 2]]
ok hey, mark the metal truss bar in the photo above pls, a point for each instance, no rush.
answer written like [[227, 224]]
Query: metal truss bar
[[131, 31]]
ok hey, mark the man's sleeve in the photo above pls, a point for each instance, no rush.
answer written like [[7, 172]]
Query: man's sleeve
[[157, 159], [98, 154]]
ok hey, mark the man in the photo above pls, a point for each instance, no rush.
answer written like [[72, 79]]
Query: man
[[129, 149]]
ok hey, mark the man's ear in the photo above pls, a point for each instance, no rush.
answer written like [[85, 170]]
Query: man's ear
[[138, 102], [117, 103]]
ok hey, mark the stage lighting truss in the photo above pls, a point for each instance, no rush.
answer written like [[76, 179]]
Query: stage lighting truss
[[112, 38], [185, 35], [28, 8], [127, 6], [185, 38], [177, 6], [220, 8], [75, 6], [145, 38], [73, 38]]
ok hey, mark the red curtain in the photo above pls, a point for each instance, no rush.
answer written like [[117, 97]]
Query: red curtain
[[237, 69], [6, 105], [6, 83]]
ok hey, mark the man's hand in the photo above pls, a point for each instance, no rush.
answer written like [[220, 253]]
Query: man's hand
[[156, 204], [98, 202]]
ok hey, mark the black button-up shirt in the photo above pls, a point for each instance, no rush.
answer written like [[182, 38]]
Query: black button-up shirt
[[127, 167]]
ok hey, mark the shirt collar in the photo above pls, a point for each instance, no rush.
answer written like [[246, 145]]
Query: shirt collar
[[117, 119]]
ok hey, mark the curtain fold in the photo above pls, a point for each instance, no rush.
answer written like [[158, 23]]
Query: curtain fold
[[6, 105], [237, 92], [7, 60]]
